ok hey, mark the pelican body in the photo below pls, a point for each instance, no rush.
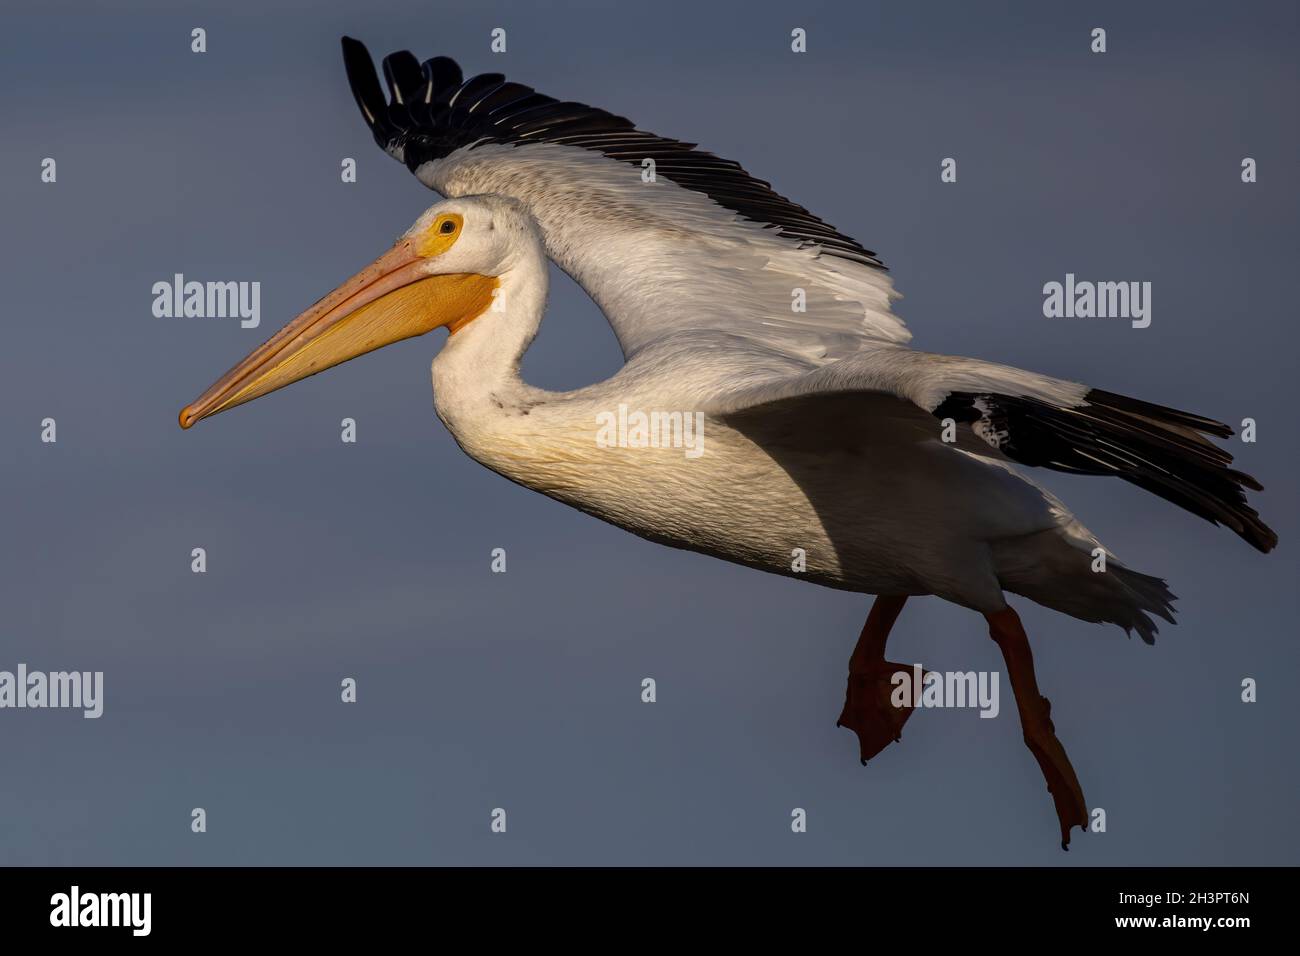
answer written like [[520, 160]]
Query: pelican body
[[822, 435]]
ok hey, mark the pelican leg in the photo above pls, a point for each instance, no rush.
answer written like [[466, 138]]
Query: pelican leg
[[1036, 722], [868, 709]]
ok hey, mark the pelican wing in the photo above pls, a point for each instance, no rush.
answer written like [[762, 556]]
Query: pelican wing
[[664, 236], [1026, 418]]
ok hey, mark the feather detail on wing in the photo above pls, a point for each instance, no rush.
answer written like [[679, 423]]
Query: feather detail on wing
[[1044, 422], [712, 246]]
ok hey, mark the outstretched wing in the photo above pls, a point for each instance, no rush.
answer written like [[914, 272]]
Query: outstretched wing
[[664, 236], [1034, 420]]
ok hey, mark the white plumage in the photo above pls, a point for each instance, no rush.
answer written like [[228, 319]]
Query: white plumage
[[841, 459]]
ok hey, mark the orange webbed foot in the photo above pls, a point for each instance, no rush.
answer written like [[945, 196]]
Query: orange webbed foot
[[872, 708], [1062, 784]]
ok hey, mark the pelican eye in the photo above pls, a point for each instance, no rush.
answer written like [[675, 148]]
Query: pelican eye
[[441, 234]]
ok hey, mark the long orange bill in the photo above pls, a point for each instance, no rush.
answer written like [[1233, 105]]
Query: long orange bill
[[389, 300]]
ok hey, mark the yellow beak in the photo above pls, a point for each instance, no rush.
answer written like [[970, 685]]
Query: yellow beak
[[389, 300]]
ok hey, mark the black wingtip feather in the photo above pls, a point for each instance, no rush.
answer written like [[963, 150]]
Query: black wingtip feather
[[443, 74], [1163, 413], [405, 79], [1159, 449], [365, 87], [432, 111]]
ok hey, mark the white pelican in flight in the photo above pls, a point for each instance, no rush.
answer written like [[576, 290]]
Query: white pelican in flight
[[893, 470]]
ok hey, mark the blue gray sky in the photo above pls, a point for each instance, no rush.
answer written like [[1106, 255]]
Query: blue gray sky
[[521, 690]]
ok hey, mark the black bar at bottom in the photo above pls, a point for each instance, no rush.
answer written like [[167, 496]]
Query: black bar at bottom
[[910, 904]]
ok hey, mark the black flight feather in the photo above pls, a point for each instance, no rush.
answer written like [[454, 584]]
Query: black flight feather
[[1160, 449], [432, 112]]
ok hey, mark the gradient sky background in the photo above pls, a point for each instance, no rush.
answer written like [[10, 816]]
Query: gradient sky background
[[521, 690]]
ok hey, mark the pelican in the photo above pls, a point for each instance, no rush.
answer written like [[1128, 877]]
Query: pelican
[[892, 472]]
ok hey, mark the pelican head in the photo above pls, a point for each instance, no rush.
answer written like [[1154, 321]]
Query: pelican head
[[443, 271]]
